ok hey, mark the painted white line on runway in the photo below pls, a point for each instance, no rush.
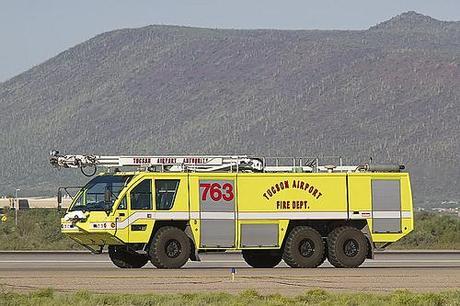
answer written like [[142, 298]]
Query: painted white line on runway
[[234, 261], [367, 261], [54, 261], [412, 261], [104, 261]]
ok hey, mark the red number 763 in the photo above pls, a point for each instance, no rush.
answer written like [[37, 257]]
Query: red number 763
[[217, 192]]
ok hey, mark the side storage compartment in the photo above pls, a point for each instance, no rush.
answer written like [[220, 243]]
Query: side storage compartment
[[259, 235], [386, 205]]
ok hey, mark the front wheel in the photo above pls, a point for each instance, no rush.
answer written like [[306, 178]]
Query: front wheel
[[125, 259], [262, 258], [170, 248], [347, 247]]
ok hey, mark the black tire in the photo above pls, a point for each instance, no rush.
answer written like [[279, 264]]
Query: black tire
[[262, 258], [125, 259], [170, 248], [304, 248], [347, 247]]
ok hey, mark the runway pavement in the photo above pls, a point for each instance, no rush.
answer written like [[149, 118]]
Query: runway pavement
[[69, 271]]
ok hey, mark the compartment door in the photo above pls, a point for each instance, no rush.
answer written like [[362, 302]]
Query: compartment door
[[217, 213], [386, 206]]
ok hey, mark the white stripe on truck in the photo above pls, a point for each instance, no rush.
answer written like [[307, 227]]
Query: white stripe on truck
[[281, 215]]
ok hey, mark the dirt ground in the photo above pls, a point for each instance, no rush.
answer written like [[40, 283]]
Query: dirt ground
[[279, 280]]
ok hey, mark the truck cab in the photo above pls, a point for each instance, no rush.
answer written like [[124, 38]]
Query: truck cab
[[120, 210]]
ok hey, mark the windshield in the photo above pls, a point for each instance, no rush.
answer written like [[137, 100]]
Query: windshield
[[100, 193]]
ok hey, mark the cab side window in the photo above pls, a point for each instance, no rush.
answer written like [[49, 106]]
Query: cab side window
[[141, 196], [165, 193]]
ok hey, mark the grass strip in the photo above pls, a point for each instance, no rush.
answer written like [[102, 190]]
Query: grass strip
[[249, 297]]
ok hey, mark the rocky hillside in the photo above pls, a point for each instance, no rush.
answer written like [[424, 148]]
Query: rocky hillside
[[391, 92]]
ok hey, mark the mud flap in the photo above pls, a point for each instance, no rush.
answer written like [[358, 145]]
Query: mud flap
[[194, 253], [370, 253]]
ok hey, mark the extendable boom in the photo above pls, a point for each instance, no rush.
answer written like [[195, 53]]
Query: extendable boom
[[210, 163]]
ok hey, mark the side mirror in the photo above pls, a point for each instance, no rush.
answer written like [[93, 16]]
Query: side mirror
[[107, 196], [59, 199], [108, 200]]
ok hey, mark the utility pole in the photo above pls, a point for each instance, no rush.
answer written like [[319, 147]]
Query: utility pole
[[16, 207]]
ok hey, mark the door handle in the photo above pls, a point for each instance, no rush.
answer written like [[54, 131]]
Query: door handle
[[138, 227], [121, 214]]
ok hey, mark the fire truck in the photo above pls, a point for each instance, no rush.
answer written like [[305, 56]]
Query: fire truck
[[3, 217], [168, 209]]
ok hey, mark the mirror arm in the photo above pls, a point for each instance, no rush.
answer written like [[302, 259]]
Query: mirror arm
[[59, 199]]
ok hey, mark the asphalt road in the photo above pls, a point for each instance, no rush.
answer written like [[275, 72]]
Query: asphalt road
[[417, 271]]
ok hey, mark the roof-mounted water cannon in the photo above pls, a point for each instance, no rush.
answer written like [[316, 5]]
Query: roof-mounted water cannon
[[74, 161]]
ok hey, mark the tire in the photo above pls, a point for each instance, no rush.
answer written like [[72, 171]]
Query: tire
[[170, 248], [347, 247], [122, 258], [304, 248], [262, 258]]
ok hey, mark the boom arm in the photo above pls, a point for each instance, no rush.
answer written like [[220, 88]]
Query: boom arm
[[209, 163], [205, 163]]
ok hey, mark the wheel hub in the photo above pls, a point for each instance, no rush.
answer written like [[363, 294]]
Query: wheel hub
[[351, 248], [173, 248], [306, 248]]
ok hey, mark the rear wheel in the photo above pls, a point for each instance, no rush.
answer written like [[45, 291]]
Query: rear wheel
[[304, 248], [262, 258], [170, 248], [123, 258], [347, 247]]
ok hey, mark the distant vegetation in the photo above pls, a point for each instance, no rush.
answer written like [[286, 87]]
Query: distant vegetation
[[248, 297], [39, 229], [391, 92], [432, 231]]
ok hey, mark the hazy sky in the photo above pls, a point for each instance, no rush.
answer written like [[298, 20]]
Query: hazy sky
[[33, 31]]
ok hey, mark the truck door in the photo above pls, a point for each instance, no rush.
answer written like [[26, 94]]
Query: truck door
[[140, 212], [217, 212], [122, 219]]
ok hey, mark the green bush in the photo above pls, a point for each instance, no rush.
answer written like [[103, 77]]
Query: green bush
[[432, 231], [37, 229]]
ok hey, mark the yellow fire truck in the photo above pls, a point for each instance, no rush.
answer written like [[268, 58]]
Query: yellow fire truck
[[3, 217], [173, 207]]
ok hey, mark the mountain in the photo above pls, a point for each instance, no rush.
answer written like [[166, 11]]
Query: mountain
[[391, 92], [416, 23]]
